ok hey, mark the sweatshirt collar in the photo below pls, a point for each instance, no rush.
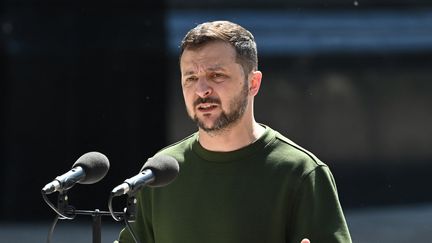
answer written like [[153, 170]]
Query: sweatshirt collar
[[232, 156]]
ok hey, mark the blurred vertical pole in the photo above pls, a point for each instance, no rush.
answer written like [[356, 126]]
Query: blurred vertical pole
[[78, 76], [3, 93]]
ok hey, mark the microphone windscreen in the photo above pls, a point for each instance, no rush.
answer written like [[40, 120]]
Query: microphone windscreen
[[95, 166], [165, 169]]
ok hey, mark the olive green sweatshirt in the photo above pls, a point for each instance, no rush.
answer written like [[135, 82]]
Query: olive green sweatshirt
[[270, 191]]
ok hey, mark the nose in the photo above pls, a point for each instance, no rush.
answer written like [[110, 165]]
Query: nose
[[203, 89]]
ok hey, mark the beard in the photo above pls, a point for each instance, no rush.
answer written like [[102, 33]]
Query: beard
[[237, 108]]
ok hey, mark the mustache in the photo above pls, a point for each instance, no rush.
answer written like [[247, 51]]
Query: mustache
[[206, 100]]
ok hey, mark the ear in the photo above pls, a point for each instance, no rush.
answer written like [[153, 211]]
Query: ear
[[255, 82]]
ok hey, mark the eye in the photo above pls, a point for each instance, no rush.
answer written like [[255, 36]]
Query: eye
[[189, 80], [218, 77]]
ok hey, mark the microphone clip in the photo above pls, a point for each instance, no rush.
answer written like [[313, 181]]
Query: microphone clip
[[130, 210], [65, 211]]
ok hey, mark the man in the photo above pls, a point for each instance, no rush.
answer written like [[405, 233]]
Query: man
[[239, 181]]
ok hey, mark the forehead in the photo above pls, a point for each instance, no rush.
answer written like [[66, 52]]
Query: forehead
[[215, 54]]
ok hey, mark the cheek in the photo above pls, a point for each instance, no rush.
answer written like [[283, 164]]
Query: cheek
[[188, 98]]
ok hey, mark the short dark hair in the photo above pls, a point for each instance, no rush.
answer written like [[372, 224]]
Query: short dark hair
[[240, 38]]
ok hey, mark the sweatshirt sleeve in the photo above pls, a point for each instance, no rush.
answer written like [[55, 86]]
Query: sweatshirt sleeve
[[317, 213], [142, 225]]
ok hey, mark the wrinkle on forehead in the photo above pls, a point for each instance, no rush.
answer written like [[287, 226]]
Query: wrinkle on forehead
[[197, 68], [211, 57]]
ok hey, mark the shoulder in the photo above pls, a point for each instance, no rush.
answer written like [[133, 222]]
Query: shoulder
[[286, 153], [302, 166], [178, 149]]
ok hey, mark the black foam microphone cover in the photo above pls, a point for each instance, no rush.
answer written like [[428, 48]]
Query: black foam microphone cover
[[165, 169], [95, 165]]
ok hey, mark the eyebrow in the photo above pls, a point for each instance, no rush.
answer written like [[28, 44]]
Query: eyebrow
[[212, 69], [188, 73], [216, 68]]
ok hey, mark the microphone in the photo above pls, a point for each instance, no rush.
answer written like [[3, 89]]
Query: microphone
[[90, 168], [157, 172]]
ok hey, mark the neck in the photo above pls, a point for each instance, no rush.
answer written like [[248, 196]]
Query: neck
[[236, 137]]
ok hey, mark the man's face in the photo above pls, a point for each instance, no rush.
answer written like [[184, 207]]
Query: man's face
[[215, 88]]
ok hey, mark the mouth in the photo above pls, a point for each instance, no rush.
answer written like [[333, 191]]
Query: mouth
[[206, 107]]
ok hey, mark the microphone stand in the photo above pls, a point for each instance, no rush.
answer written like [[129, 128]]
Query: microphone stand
[[96, 214], [97, 221], [129, 212]]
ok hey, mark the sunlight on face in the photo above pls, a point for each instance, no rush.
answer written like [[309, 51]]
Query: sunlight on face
[[214, 86]]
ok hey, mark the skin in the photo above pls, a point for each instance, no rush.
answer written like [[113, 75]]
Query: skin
[[214, 84], [211, 71]]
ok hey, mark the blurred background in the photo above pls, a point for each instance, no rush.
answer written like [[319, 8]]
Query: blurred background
[[348, 80]]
